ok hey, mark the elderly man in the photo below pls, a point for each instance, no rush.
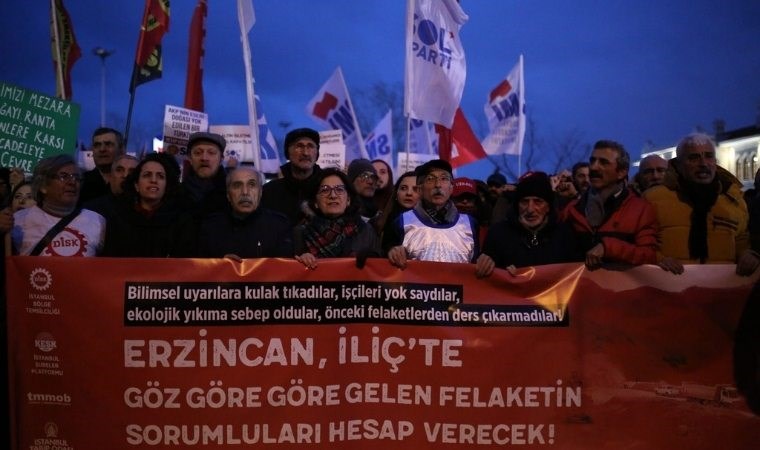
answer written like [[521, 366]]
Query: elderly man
[[531, 234], [245, 230], [107, 144], [288, 194], [651, 172], [433, 230], [55, 226], [702, 215], [204, 179], [611, 223]]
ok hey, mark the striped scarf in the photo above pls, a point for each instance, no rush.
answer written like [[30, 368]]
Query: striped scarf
[[327, 238]]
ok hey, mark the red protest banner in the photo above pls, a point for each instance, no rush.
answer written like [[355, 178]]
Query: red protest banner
[[266, 352]]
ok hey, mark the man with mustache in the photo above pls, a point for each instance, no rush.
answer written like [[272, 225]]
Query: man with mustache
[[611, 223], [530, 235], [289, 193], [703, 217], [204, 179], [433, 230], [107, 144], [245, 230]]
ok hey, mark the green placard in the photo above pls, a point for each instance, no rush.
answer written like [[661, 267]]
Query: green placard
[[34, 126]]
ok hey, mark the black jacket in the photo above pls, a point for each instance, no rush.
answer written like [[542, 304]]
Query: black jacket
[[509, 243], [263, 234], [168, 232], [286, 194]]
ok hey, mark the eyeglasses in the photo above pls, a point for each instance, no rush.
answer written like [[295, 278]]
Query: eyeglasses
[[432, 179], [338, 190], [368, 176], [64, 177]]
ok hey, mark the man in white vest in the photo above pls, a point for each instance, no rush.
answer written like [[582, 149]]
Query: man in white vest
[[433, 230]]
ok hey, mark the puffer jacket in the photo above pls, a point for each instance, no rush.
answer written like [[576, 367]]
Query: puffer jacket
[[628, 232], [727, 235]]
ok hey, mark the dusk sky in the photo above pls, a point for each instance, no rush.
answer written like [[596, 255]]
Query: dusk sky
[[633, 71]]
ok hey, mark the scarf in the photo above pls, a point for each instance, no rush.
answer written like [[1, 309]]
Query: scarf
[[595, 211], [326, 238], [438, 216], [702, 197]]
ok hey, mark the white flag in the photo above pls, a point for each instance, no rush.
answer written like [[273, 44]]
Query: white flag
[[246, 19], [422, 137], [240, 143], [270, 157], [379, 143], [505, 110], [435, 62], [247, 16], [332, 106]]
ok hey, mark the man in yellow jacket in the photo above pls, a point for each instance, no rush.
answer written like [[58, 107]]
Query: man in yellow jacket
[[701, 212]]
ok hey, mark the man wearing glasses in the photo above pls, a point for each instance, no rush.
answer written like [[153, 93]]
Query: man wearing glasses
[[433, 230], [363, 176], [702, 215], [107, 144], [288, 194], [55, 226]]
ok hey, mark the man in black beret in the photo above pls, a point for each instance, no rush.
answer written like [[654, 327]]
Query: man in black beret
[[433, 230], [286, 194]]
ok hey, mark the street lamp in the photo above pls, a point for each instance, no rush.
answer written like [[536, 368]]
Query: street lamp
[[103, 54]]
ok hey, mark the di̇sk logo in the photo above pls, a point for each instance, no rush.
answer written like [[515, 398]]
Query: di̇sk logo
[[40, 279], [68, 242]]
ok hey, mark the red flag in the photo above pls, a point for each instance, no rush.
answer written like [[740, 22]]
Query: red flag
[[459, 145], [148, 58], [65, 48], [194, 80]]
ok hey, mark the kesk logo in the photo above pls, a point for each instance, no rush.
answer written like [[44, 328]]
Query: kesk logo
[[45, 342], [40, 279]]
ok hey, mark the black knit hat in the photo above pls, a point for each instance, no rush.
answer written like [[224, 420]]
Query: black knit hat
[[358, 167], [298, 133], [535, 184]]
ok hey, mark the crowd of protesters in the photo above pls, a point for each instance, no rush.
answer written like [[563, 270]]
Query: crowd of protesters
[[687, 210], [684, 211]]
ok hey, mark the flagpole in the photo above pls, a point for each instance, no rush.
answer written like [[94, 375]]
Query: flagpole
[[57, 46], [520, 135], [135, 71], [362, 147], [253, 120], [408, 139], [132, 89]]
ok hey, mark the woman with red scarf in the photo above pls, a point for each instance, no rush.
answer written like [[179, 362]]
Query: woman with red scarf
[[333, 228]]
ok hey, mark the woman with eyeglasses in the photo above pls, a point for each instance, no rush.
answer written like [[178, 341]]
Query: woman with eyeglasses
[[333, 228], [148, 219], [55, 226]]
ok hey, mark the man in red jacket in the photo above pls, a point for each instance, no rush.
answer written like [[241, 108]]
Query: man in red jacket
[[610, 222]]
